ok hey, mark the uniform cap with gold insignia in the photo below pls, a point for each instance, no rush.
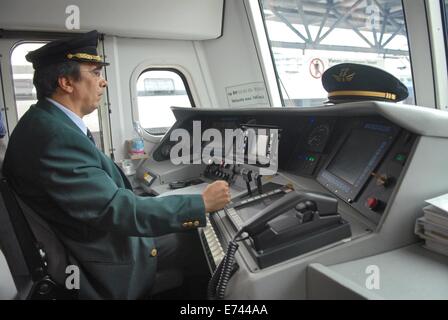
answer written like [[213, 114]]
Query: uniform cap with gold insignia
[[354, 82], [81, 48]]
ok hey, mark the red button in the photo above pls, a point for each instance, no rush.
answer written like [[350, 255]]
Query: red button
[[372, 203]]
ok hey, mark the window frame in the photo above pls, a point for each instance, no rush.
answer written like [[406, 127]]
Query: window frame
[[444, 12], [437, 50], [442, 95], [266, 57], [148, 66]]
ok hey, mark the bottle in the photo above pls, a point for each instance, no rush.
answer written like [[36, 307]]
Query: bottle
[[137, 144]]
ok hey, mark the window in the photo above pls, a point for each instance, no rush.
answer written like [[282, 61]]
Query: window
[[25, 93], [157, 91], [308, 37], [22, 73]]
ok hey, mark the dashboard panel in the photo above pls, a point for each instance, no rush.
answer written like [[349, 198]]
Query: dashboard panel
[[355, 161], [356, 158]]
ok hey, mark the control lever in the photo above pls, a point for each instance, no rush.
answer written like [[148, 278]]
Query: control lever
[[247, 176], [259, 185], [231, 179], [306, 210]]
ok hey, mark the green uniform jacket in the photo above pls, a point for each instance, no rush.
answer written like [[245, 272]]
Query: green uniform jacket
[[106, 228]]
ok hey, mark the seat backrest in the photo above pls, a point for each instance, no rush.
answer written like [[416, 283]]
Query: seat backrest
[[10, 250], [35, 256], [8, 289], [56, 256]]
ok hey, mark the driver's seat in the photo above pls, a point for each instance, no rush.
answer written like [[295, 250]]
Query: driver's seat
[[36, 258]]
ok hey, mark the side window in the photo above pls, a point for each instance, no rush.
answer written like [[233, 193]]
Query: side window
[[157, 91], [22, 74], [308, 37], [25, 93]]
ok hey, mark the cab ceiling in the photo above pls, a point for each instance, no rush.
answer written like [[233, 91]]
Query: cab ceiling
[[167, 19]]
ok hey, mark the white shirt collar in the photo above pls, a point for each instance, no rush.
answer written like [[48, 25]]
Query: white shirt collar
[[73, 116]]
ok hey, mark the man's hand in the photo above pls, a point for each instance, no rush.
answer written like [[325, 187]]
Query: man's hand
[[216, 195]]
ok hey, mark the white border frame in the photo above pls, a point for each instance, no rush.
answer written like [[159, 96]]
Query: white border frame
[[420, 52], [439, 58], [262, 46]]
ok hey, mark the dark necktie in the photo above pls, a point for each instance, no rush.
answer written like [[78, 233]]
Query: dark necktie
[[89, 135]]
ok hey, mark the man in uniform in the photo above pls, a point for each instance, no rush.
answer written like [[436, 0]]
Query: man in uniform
[[53, 164]]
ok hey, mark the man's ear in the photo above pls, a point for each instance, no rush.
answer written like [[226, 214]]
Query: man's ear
[[66, 84]]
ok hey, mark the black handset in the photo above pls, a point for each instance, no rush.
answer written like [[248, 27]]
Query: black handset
[[257, 227], [326, 205]]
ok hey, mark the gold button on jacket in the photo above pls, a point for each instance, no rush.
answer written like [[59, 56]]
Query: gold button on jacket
[[153, 252]]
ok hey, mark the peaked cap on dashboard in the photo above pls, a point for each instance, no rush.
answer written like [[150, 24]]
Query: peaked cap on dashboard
[[347, 82], [82, 48]]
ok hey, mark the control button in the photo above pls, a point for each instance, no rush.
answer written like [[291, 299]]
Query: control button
[[382, 179], [372, 203], [400, 157]]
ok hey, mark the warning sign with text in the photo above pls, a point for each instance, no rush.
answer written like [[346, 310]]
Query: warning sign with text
[[247, 94]]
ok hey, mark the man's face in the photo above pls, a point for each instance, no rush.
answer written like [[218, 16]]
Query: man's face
[[89, 89]]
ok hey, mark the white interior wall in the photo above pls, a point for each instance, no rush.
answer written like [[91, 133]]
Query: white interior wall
[[127, 54], [167, 19], [212, 66], [232, 59]]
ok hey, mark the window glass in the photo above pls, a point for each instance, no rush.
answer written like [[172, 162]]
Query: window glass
[[308, 37], [25, 93], [22, 72], [157, 91]]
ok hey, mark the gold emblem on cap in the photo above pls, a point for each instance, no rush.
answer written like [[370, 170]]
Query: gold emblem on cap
[[343, 75], [376, 94], [84, 56]]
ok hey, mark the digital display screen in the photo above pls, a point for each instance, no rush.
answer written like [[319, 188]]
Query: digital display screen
[[356, 153]]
